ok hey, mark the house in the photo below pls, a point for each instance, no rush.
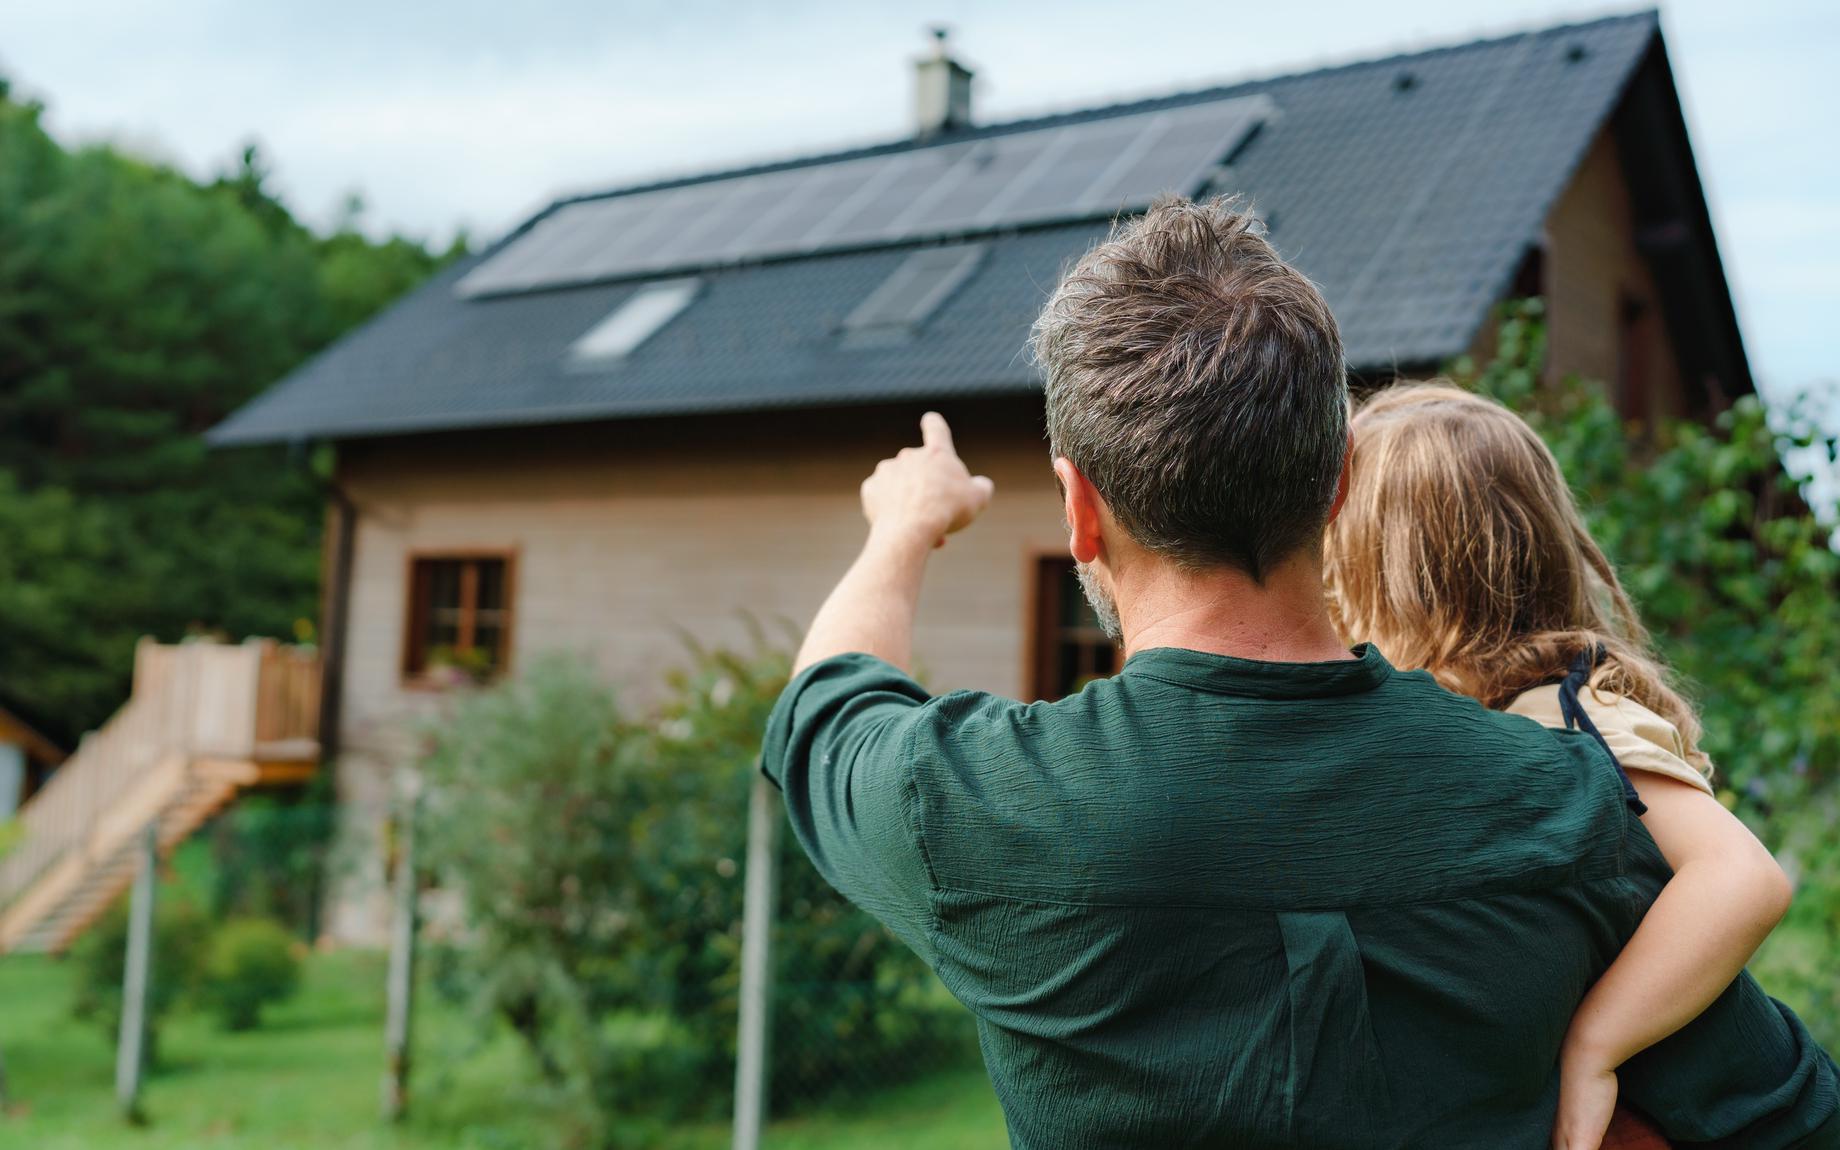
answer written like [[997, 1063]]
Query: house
[[645, 413]]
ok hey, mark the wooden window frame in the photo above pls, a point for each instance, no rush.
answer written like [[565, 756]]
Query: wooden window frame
[[415, 592], [1045, 600], [1635, 317]]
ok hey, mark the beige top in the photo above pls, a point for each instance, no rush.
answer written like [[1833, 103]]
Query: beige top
[[1640, 739]]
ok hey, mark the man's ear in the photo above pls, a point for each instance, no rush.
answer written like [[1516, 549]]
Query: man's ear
[[1341, 481], [1080, 503]]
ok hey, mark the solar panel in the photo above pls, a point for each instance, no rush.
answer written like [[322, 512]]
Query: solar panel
[[1042, 175], [744, 211], [903, 181], [989, 168], [1177, 154], [822, 194], [1081, 158]]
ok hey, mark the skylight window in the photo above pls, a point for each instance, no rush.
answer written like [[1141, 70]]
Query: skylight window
[[637, 319], [907, 298]]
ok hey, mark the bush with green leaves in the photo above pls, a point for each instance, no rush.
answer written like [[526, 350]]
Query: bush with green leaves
[[600, 864], [269, 856], [530, 789], [252, 963], [854, 1008], [181, 934], [1738, 581]]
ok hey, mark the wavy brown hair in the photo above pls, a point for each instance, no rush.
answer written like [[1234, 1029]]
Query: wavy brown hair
[[1460, 551]]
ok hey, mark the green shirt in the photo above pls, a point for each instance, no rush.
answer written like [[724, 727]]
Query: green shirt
[[1216, 902]]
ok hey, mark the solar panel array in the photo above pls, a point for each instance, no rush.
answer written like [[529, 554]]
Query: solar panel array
[[1045, 175]]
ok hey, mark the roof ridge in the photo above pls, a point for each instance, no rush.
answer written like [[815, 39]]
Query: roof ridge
[[1144, 103]]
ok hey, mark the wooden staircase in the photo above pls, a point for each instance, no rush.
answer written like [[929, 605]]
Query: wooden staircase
[[204, 721]]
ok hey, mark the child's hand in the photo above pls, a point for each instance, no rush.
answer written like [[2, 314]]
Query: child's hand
[[1587, 1098]]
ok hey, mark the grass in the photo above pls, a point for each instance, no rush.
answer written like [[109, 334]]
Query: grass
[[310, 1079]]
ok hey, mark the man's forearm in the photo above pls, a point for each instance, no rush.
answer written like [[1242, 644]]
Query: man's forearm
[[872, 609], [912, 501]]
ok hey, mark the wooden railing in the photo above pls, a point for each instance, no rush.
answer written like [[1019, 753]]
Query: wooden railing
[[190, 702], [287, 699]]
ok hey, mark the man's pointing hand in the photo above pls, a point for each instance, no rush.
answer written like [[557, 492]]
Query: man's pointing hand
[[925, 492]]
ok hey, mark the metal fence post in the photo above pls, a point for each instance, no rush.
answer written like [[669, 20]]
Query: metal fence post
[[137, 980], [401, 977], [755, 1022]]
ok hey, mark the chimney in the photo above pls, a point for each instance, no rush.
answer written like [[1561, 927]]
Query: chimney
[[942, 90]]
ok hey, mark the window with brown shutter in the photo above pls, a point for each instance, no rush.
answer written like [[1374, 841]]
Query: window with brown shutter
[[459, 619], [1070, 648]]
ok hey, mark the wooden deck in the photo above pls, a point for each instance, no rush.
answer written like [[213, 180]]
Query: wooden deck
[[204, 722]]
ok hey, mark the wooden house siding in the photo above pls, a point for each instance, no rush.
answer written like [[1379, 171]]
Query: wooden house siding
[[1592, 269], [630, 537]]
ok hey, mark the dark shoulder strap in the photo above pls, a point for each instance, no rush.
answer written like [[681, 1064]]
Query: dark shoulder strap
[[1572, 708]]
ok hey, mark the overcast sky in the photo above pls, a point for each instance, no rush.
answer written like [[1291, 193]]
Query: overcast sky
[[470, 113]]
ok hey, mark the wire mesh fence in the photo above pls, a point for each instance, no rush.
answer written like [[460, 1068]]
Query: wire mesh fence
[[535, 877], [853, 1040], [614, 1007]]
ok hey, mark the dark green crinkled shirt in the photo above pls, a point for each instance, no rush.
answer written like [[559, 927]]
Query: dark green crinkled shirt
[[1215, 902]]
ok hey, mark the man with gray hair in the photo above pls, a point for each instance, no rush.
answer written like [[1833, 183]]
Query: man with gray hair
[[1256, 889]]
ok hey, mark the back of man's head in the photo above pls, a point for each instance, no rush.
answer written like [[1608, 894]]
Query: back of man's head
[[1196, 380]]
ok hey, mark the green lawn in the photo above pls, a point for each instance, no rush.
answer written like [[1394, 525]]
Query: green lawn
[[310, 1080]]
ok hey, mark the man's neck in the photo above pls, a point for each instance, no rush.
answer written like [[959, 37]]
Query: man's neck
[[1222, 611]]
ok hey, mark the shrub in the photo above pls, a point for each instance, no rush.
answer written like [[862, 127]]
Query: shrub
[[854, 1007], [605, 917], [269, 856], [530, 790], [99, 958], [253, 962]]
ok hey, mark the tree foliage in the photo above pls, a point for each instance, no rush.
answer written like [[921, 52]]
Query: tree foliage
[[138, 308]]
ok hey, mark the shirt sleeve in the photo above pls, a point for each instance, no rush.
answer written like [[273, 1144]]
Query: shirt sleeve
[[838, 746], [1640, 739], [1746, 1073]]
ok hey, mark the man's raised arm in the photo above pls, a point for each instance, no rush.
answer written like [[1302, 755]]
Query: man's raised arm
[[837, 743], [912, 502]]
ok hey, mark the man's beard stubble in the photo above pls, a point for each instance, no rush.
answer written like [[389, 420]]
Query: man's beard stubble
[[1101, 601]]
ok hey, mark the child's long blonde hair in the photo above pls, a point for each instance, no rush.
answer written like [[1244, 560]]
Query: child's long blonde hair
[[1460, 551]]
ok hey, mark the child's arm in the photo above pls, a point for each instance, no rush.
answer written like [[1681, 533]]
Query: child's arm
[[1726, 895]]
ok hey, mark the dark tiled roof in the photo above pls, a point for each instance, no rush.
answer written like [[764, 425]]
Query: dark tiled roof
[[1409, 188]]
